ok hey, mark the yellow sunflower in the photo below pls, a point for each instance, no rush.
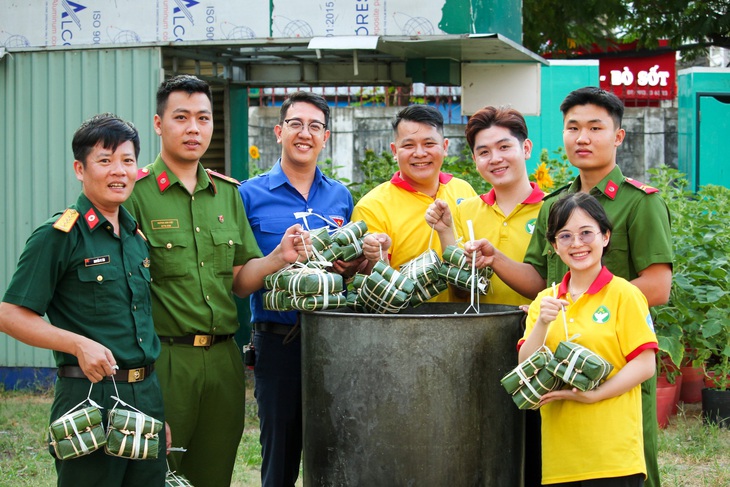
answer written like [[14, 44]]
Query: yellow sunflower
[[253, 151], [542, 177]]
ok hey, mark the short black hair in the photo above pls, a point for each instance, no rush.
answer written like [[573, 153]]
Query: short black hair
[[421, 114], [106, 128], [305, 97], [562, 209], [591, 95], [183, 82]]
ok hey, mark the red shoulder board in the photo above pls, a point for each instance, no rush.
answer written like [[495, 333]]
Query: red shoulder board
[[142, 172], [644, 187], [223, 177]]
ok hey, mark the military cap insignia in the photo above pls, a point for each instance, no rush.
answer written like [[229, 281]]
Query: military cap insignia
[[643, 187], [67, 220]]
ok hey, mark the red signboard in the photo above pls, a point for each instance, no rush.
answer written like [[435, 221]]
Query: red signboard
[[640, 78]]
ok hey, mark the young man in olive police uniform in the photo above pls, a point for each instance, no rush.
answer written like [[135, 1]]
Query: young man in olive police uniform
[[88, 270], [202, 249], [641, 242]]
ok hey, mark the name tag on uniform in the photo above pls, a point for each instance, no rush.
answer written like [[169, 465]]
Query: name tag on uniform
[[163, 224], [92, 261]]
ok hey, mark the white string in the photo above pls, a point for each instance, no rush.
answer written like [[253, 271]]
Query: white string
[[304, 214], [306, 252], [473, 291], [380, 251]]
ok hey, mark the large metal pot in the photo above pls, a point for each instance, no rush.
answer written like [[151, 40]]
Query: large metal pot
[[412, 399]]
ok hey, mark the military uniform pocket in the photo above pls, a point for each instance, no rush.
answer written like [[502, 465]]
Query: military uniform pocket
[[168, 254], [101, 284], [225, 243]]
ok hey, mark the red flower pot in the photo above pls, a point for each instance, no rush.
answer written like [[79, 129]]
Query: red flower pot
[[677, 392], [713, 382], [692, 384], [665, 400]]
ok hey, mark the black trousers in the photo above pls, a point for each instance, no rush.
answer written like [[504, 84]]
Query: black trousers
[[278, 391]]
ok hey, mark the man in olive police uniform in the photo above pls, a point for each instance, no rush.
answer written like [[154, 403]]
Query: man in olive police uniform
[[641, 242], [88, 270], [202, 249]]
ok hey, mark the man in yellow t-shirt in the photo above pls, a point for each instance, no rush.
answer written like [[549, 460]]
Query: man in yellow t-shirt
[[393, 211], [505, 215]]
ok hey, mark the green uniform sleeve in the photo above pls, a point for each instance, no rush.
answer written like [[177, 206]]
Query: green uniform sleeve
[[650, 233], [40, 267]]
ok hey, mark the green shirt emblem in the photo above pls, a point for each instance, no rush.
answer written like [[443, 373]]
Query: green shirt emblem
[[530, 226], [601, 315]]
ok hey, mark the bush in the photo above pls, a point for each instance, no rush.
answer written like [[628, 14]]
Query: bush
[[696, 315]]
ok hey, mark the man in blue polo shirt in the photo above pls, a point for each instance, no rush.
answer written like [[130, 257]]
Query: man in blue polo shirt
[[273, 202]]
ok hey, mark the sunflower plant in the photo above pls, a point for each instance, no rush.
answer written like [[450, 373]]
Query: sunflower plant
[[554, 173]]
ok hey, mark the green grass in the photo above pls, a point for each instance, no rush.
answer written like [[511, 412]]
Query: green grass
[[24, 457], [691, 454]]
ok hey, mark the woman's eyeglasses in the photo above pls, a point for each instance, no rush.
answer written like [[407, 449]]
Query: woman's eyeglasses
[[585, 236]]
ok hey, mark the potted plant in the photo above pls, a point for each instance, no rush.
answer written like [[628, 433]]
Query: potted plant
[[669, 381], [700, 296]]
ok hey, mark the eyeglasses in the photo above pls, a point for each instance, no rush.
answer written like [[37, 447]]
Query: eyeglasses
[[567, 238], [315, 128]]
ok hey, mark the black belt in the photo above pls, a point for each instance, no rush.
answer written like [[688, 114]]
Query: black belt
[[123, 375], [275, 328], [196, 340]]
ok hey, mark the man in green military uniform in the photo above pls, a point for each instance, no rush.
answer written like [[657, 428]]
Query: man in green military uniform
[[88, 270], [641, 242], [202, 248]]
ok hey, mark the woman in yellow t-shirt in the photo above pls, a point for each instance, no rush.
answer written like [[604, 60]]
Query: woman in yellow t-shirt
[[594, 437]]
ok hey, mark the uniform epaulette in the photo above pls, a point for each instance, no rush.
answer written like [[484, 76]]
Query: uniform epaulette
[[643, 187], [67, 220], [223, 177], [143, 172], [557, 192]]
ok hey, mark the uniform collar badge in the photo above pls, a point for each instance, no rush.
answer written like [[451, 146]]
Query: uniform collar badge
[[611, 189], [163, 182], [91, 218], [220, 218]]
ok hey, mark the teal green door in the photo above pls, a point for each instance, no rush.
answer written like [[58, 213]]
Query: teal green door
[[713, 162]]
